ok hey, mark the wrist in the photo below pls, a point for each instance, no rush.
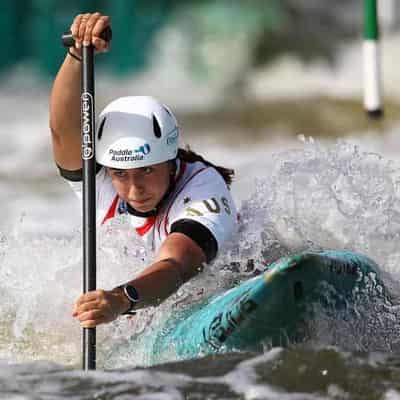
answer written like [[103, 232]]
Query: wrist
[[131, 298], [75, 54], [124, 304]]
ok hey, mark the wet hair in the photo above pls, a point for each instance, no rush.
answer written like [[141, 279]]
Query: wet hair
[[190, 156]]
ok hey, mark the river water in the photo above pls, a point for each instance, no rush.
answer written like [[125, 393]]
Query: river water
[[294, 193]]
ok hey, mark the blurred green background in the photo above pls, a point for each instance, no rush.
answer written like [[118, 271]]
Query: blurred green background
[[245, 63], [33, 28]]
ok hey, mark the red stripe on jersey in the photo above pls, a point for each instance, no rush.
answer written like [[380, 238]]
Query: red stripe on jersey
[[142, 230], [111, 210]]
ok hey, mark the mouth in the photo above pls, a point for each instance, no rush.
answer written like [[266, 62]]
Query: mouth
[[140, 202]]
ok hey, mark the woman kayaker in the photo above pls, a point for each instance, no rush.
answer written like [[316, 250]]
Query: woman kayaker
[[177, 202]]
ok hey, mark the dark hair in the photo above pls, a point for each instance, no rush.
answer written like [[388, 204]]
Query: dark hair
[[190, 156]]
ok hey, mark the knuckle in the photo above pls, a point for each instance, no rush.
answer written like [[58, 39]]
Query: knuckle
[[103, 306], [88, 315]]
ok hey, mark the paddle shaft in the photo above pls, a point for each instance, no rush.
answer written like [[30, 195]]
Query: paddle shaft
[[89, 186], [89, 197]]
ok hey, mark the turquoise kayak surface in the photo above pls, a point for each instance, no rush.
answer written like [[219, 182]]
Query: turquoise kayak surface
[[271, 308]]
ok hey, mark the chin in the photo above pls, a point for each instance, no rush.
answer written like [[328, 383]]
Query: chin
[[142, 207]]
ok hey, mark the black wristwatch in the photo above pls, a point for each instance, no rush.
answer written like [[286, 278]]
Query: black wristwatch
[[133, 296]]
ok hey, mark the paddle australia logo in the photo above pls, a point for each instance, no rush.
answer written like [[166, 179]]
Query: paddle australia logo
[[130, 155], [87, 113]]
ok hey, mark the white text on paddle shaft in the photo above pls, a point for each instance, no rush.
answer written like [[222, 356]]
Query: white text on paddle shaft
[[87, 129]]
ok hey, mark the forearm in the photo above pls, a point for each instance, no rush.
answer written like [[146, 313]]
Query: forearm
[[65, 107], [157, 282], [178, 260], [65, 98]]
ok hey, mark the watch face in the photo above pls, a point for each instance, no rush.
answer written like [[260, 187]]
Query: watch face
[[131, 293]]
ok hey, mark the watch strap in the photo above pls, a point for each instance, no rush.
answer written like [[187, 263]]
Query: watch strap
[[131, 309]]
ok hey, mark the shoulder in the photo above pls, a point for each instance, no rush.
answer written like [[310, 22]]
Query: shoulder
[[199, 176], [202, 196], [200, 188]]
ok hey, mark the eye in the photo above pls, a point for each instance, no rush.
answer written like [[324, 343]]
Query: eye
[[119, 174], [147, 170]]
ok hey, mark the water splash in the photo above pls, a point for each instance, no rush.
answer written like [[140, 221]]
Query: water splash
[[311, 198], [322, 197]]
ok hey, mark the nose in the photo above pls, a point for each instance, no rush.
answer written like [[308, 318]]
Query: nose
[[136, 187]]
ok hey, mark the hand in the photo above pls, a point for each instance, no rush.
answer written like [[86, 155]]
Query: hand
[[87, 28], [99, 307]]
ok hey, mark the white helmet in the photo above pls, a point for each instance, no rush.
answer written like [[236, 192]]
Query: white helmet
[[136, 131]]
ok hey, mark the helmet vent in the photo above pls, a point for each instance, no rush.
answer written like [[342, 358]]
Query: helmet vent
[[156, 127], [166, 109], [101, 127]]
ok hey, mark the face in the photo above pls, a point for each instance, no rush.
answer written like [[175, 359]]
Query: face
[[142, 188]]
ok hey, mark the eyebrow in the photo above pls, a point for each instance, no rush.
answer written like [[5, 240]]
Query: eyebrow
[[122, 169]]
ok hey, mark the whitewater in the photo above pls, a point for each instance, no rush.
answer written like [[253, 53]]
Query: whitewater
[[294, 192]]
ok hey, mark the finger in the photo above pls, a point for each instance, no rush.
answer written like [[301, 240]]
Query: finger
[[91, 305], [99, 43], [75, 28], [89, 324], [92, 315], [91, 22], [75, 24], [92, 323], [82, 27], [89, 296], [100, 25], [94, 294], [78, 302], [94, 318]]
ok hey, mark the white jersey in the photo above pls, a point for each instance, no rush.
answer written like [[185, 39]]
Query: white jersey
[[200, 194]]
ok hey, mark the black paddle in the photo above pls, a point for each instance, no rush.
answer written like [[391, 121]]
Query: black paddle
[[89, 187]]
